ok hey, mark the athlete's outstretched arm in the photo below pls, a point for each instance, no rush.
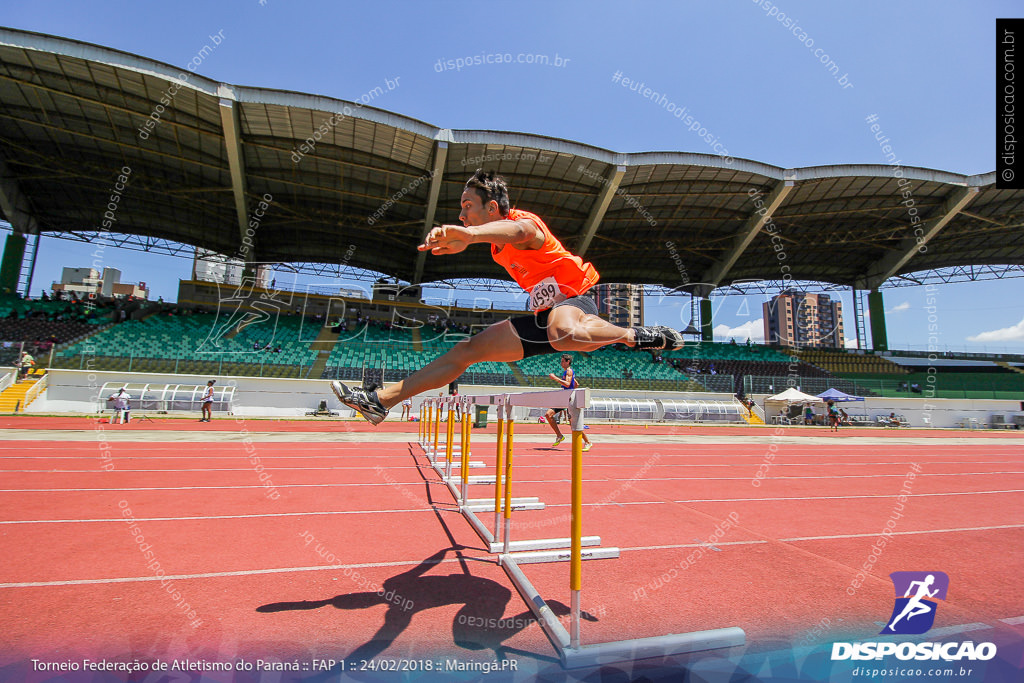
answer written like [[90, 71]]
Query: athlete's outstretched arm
[[452, 239]]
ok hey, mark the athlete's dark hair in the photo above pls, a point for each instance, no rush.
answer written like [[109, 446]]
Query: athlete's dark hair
[[490, 186], [568, 357]]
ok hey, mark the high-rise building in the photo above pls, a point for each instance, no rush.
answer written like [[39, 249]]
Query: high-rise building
[[802, 319], [622, 303], [209, 266], [87, 282]]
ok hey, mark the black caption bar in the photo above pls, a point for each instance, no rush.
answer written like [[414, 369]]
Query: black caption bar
[[1009, 149]]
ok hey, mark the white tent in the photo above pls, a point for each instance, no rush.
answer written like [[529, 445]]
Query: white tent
[[783, 404], [791, 395]]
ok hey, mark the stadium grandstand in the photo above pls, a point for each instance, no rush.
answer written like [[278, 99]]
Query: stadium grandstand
[[378, 181]]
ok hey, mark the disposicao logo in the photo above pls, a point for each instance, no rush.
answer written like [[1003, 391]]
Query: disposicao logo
[[913, 614], [916, 594]]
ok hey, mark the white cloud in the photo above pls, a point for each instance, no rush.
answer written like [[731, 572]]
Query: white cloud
[[1014, 333], [753, 330], [899, 307]]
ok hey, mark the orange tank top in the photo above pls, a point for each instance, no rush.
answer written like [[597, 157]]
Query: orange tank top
[[528, 267]]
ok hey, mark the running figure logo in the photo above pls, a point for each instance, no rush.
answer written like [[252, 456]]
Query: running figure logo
[[914, 611]]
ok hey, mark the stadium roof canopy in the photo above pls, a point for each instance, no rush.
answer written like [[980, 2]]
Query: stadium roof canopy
[[75, 114]]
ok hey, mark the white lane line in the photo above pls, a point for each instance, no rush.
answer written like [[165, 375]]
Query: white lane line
[[251, 572], [268, 459], [537, 481], [836, 537], [549, 505], [205, 517], [215, 575]]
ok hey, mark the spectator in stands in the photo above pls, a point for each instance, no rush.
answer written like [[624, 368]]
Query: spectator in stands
[[256, 345], [916, 388], [893, 420], [25, 363], [206, 402], [564, 319]]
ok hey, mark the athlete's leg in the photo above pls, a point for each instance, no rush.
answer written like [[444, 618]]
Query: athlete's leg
[[550, 417], [498, 343], [572, 329]]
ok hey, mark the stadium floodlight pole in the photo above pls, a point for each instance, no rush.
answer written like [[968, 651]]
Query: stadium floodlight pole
[[497, 468]]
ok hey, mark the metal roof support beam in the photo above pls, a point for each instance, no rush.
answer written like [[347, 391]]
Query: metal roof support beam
[[436, 178], [14, 203], [890, 265], [717, 272], [598, 210], [231, 123]]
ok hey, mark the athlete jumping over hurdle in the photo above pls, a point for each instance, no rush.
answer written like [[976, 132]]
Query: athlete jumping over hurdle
[[563, 318]]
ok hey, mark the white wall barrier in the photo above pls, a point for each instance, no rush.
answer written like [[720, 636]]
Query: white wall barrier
[[76, 391]]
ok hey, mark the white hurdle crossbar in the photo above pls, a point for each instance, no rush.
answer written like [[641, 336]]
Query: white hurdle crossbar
[[568, 645]]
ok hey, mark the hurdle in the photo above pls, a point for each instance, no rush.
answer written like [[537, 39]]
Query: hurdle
[[568, 644]]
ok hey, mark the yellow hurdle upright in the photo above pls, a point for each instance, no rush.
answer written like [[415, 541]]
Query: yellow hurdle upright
[[497, 471], [464, 461], [508, 476], [437, 427], [576, 564]]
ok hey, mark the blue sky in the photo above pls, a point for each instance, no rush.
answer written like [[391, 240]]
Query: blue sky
[[926, 69]]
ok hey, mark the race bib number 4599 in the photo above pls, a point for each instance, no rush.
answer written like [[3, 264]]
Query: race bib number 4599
[[545, 294]]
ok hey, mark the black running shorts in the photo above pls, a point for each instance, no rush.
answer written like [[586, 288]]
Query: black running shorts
[[533, 329]]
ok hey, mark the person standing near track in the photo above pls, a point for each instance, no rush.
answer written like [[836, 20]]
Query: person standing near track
[[406, 409], [568, 381], [206, 402], [563, 319], [122, 409], [833, 417]]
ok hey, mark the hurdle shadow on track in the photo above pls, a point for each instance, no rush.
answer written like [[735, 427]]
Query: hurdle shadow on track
[[478, 625]]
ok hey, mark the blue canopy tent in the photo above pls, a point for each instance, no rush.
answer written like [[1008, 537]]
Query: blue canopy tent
[[838, 396]]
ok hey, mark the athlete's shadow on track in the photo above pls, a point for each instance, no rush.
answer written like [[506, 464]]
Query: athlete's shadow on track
[[478, 625]]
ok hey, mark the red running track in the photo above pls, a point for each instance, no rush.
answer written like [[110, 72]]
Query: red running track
[[293, 576], [234, 424]]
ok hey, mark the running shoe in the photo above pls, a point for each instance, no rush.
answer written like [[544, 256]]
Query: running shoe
[[658, 338], [558, 441], [586, 447], [363, 400]]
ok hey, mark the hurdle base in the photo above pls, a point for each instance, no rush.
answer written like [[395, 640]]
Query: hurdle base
[[515, 507], [600, 654], [543, 544], [539, 556], [490, 501]]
